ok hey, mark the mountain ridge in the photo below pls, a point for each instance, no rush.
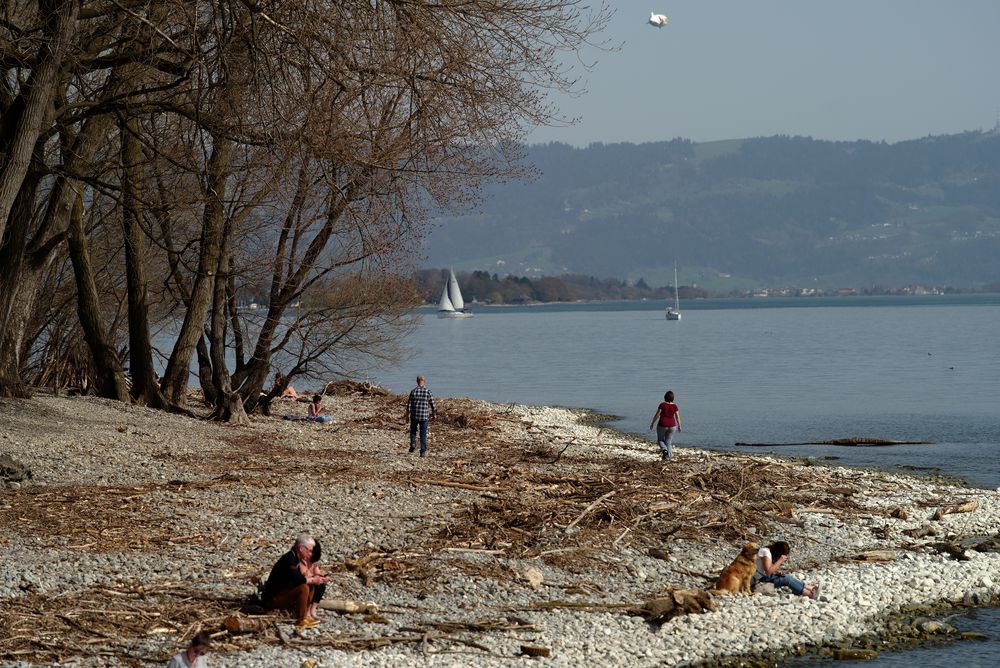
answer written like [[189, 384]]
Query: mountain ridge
[[743, 213]]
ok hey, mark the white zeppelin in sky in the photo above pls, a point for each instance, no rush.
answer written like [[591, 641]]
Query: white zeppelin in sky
[[658, 20]]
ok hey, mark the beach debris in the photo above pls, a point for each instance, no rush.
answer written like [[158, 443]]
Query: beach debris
[[955, 552], [535, 650], [677, 602], [309, 663], [874, 556], [349, 607], [920, 532], [588, 509], [966, 507], [243, 624], [347, 387]]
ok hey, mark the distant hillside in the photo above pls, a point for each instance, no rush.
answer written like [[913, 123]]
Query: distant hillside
[[744, 213]]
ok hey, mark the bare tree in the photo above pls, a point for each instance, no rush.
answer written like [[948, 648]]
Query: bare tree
[[307, 140]]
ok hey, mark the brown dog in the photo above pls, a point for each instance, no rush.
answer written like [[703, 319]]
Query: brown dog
[[736, 576]]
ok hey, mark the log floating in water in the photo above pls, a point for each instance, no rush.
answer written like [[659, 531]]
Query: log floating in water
[[853, 441]]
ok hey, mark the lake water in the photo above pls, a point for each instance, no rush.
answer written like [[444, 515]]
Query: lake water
[[747, 371], [755, 371]]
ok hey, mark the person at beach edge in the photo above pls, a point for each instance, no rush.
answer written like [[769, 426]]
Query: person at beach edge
[[296, 582], [769, 561], [419, 409], [667, 419]]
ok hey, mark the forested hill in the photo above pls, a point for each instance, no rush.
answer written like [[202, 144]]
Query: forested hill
[[776, 211]]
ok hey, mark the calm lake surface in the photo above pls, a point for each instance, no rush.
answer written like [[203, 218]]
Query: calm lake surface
[[747, 371], [755, 371]]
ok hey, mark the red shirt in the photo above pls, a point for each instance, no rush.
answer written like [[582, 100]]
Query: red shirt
[[667, 413]]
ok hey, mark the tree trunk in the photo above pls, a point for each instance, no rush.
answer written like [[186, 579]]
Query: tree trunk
[[12, 249], [110, 377], [205, 374], [213, 221], [39, 90], [145, 388], [11, 339], [230, 408]]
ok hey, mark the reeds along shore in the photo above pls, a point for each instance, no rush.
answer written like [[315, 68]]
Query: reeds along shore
[[523, 526]]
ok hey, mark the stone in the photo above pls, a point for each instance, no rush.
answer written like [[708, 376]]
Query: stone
[[533, 577], [12, 470], [765, 588]]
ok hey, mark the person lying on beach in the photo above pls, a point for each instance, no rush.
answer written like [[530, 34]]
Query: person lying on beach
[[288, 391], [769, 561], [194, 655], [296, 583], [316, 410]]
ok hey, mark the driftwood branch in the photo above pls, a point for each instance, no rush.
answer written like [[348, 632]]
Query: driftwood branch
[[588, 509]]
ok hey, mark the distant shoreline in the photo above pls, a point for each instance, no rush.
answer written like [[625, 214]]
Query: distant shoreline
[[772, 300]]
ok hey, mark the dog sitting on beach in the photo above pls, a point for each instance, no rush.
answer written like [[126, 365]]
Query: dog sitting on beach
[[736, 577]]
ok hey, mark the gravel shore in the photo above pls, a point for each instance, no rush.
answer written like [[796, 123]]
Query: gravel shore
[[522, 526]]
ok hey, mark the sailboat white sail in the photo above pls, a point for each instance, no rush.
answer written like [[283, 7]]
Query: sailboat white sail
[[451, 304], [675, 312], [454, 293], [445, 303]]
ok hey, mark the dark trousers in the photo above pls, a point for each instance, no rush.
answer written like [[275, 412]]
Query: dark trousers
[[422, 426], [297, 599]]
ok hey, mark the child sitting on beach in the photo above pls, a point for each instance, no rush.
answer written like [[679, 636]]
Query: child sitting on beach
[[315, 408]]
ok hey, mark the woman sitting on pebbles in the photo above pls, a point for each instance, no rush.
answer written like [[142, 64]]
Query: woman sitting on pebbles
[[769, 561]]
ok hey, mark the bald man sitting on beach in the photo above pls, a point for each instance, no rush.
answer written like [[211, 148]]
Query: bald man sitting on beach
[[296, 583]]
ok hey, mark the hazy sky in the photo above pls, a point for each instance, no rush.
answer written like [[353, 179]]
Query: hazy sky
[[854, 69]]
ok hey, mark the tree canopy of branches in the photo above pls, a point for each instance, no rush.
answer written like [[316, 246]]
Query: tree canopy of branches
[[156, 156]]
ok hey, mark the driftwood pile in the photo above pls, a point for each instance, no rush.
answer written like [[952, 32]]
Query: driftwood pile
[[527, 508]]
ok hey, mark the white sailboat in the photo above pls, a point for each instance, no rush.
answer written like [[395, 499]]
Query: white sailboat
[[452, 305], [675, 312]]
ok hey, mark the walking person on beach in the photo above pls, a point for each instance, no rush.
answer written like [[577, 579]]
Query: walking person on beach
[[667, 419], [194, 655], [769, 561], [419, 409]]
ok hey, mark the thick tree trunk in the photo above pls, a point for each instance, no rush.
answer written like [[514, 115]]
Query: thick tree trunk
[[12, 319], [23, 132], [145, 388], [213, 222], [110, 377], [12, 337], [230, 408]]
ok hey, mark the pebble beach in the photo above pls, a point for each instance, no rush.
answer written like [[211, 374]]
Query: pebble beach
[[130, 529]]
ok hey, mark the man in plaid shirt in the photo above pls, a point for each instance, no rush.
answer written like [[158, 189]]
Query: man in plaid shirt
[[419, 409]]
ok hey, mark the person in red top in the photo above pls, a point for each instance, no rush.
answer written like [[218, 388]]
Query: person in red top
[[667, 419]]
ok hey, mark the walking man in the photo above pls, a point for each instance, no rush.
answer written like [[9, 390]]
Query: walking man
[[419, 409]]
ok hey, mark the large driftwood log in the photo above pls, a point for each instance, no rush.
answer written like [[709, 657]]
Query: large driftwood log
[[966, 507], [854, 441]]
